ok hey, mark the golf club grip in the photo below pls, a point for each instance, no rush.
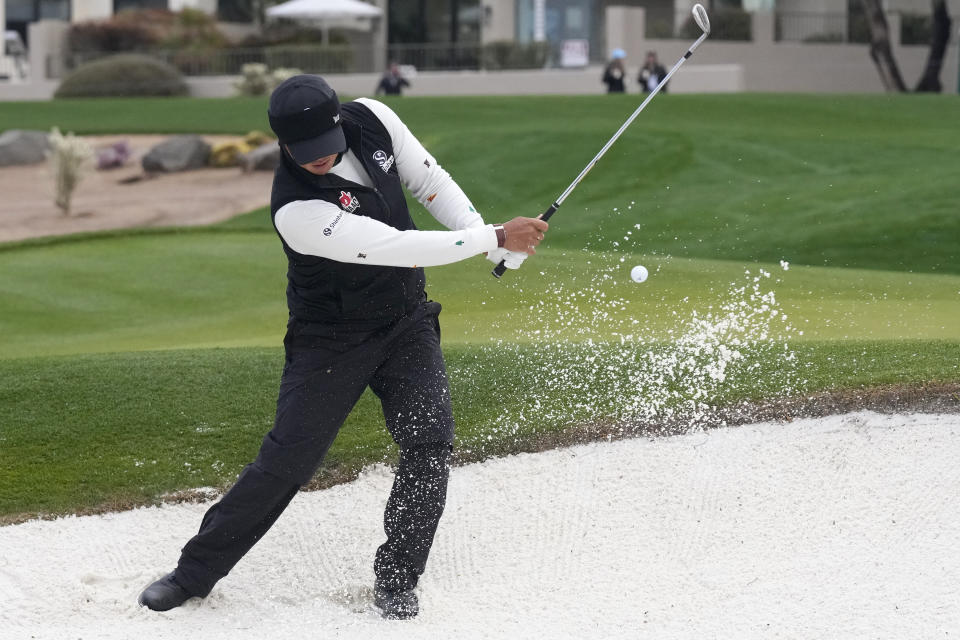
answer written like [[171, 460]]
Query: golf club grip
[[502, 267]]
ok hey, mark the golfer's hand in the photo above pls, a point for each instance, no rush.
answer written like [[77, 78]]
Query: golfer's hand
[[511, 259], [524, 234]]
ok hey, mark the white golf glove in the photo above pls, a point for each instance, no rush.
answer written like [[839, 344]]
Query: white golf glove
[[511, 259]]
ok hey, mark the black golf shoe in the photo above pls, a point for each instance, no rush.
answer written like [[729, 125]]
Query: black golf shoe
[[396, 605], [164, 594]]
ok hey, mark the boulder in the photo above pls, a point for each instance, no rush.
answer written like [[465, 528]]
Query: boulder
[[266, 157], [19, 147], [179, 153]]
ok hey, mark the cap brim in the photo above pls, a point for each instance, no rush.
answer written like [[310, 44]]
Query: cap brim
[[326, 144]]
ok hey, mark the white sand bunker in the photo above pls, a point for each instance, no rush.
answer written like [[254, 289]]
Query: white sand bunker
[[839, 527]]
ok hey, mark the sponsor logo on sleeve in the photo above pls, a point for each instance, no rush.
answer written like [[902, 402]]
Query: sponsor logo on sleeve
[[328, 230], [381, 159], [349, 202], [362, 256]]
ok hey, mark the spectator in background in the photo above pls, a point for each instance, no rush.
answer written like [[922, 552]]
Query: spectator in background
[[651, 73], [392, 83], [615, 72]]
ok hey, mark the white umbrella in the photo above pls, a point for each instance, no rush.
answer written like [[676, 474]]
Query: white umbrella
[[347, 14], [322, 10]]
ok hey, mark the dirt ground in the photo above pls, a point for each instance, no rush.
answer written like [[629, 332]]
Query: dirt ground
[[114, 199]]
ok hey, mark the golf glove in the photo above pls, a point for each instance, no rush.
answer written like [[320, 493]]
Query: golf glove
[[511, 259]]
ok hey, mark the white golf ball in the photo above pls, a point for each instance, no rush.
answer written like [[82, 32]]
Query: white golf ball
[[639, 273]]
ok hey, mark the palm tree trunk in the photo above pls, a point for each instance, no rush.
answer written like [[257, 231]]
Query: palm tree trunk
[[880, 50], [930, 80]]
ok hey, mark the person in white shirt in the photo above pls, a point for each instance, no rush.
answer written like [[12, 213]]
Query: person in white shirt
[[651, 73], [359, 317]]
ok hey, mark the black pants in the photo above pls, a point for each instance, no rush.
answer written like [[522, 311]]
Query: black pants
[[326, 371]]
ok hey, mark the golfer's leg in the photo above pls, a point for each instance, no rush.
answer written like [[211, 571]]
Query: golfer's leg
[[412, 385], [318, 390], [413, 512], [231, 527]]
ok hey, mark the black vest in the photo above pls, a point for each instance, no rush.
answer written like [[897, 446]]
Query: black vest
[[327, 291]]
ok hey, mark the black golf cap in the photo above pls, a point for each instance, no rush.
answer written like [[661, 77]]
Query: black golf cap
[[304, 112]]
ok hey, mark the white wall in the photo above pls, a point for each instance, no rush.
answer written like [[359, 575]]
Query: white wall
[[83, 10], [47, 42], [499, 21], [4, 63]]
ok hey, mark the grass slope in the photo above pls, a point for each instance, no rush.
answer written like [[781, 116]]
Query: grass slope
[[119, 429], [224, 288], [843, 181]]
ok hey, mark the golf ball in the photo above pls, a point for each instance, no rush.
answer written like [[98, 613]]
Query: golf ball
[[638, 273]]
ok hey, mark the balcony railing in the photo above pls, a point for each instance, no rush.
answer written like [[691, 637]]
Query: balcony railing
[[793, 26], [820, 27], [342, 59]]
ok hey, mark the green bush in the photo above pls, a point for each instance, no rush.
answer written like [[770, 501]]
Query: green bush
[[507, 54], [194, 29], [123, 75], [916, 28], [109, 36], [827, 37], [659, 29], [727, 23], [140, 29], [858, 29]]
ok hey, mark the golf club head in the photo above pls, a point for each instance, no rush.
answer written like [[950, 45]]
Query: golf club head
[[700, 16]]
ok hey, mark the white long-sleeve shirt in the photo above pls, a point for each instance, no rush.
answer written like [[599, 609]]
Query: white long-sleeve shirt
[[321, 228]]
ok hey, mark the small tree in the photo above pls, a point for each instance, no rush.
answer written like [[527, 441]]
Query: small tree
[[70, 158]]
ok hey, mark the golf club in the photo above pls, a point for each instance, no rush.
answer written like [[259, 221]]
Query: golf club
[[700, 17]]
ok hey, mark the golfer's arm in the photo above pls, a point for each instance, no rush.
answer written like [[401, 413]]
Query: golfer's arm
[[427, 181], [319, 228]]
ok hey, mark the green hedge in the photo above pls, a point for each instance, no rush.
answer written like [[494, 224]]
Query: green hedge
[[123, 75]]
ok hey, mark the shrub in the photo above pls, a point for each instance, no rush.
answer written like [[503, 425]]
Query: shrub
[[659, 29], [825, 37], [123, 75], [257, 80], [507, 54], [109, 36], [136, 30], [70, 158], [193, 29], [287, 32], [916, 28], [728, 23]]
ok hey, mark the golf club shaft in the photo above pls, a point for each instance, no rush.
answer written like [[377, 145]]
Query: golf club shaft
[[500, 268]]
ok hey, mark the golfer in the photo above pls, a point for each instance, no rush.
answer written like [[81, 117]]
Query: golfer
[[359, 317]]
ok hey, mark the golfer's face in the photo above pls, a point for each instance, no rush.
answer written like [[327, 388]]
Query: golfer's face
[[320, 166]]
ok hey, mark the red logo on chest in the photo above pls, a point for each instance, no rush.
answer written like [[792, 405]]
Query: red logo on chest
[[348, 202]]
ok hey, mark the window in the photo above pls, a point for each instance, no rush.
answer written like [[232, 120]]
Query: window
[[120, 5], [33, 10]]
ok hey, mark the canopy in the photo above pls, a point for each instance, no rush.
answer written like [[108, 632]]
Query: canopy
[[324, 10]]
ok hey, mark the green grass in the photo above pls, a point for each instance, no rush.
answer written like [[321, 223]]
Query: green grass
[[88, 116], [824, 180], [225, 288], [83, 431], [140, 362]]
